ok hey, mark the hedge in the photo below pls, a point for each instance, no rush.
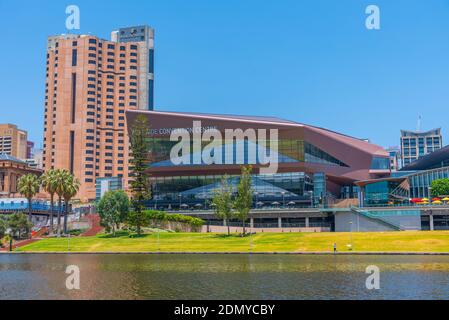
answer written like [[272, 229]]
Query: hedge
[[162, 216]]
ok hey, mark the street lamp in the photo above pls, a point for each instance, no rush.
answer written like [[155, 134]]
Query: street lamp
[[180, 197], [350, 235]]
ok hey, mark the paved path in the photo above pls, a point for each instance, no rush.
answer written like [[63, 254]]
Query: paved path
[[18, 244]]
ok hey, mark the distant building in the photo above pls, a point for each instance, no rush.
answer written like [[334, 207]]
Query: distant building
[[11, 169], [395, 158], [13, 141], [104, 185], [30, 148], [416, 144]]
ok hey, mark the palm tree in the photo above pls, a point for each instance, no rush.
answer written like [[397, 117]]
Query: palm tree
[[61, 176], [28, 186], [71, 188], [48, 181]]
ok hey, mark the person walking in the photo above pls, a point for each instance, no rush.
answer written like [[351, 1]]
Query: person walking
[[335, 247]]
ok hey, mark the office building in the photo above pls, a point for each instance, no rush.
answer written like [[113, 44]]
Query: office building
[[13, 141], [415, 144], [90, 83]]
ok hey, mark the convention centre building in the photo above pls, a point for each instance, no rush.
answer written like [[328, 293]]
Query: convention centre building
[[313, 166]]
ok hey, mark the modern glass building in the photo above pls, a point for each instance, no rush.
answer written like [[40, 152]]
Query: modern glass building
[[313, 166], [102, 185], [412, 181]]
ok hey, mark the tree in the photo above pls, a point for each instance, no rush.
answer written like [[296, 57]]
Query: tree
[[71, 187], [140, 184], [440, 187], [113, 208], [244, 198], [48, 182], [61, 176], [222, 202], [18, 223], [29, 186], [3, 227]]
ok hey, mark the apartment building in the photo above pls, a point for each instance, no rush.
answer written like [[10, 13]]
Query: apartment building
[[90, 83]]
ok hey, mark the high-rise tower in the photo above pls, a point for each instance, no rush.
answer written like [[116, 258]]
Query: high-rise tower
[[90, 82]]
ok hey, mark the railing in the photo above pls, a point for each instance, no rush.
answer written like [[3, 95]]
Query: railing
[[375, 217]]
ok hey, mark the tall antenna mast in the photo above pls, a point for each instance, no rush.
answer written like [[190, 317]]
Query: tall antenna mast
[[419, 124]]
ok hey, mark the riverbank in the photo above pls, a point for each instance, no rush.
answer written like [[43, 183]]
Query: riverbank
[[419, 242]]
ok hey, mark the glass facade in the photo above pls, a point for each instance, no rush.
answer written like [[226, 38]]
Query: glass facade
[[385, 192], [103, 185], [289, 151], [280, 189], [421, 181], [379, 163]]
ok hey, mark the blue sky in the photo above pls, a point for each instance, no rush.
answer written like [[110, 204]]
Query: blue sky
[[309, 61]]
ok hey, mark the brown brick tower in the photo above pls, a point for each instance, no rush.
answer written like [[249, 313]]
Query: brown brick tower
[[90, 83]]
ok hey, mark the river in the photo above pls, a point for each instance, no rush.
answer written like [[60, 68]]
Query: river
[[222, 276]]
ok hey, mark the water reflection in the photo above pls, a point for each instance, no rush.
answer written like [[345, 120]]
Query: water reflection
[[223, 277]]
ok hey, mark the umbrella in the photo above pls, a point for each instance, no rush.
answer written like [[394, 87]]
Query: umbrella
[[259, 203], [291, 203], [436, 199], [437, 202], [275, 203], [198, 205], [446, 199], [424, 199], [184, 205]]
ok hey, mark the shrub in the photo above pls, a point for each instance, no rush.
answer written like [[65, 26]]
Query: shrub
[[160, 216]]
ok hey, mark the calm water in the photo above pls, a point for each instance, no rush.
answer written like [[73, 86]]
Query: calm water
[[223, 277]]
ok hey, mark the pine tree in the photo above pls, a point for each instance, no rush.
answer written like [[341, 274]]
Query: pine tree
[[140, 185]]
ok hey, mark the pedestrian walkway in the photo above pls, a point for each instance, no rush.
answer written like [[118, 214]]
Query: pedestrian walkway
[[95, 226]]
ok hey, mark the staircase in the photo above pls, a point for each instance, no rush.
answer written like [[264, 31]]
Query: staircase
[[371, 216], [95, 228]]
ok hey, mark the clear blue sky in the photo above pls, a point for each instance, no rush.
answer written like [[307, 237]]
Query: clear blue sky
[[309, 61]]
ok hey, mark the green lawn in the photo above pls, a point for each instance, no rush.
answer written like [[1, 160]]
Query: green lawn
[[435, 241]]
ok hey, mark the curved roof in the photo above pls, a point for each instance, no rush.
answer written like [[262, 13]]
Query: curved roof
[[346, 139], [439, 158]]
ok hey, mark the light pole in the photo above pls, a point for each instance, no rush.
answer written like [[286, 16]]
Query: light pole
[[180, 197], [350, 235]]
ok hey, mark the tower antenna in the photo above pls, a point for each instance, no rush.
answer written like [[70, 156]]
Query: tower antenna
[[419, 124]]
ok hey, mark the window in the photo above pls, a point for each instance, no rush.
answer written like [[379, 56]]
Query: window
[[379, 163], [74, 57]]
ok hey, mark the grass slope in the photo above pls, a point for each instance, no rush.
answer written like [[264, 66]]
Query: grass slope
[[435, 241]]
